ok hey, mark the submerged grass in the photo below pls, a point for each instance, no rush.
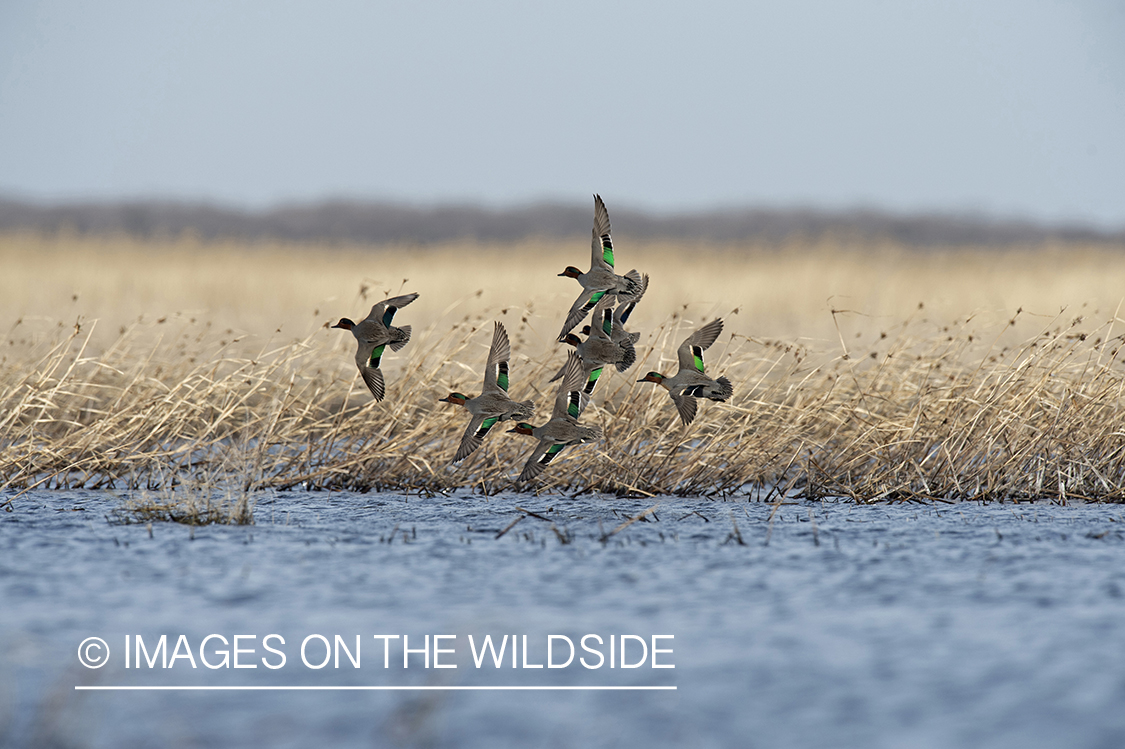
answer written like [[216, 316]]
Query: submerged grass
[[192, 418]]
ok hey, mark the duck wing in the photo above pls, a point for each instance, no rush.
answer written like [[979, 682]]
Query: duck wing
[[388, 308], [585, 302], [496, 368], [601, 323], [686, 406], [543, 454], [571, 399], [691, 350], [373, 378], [474, 436], [601, 244]]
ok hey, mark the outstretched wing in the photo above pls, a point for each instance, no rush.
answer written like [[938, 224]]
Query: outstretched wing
[[496, 368], [393, 305], [570, 389], [585, 302], [691, 350], [373, 378], [474, 436], [685, 404], [384, 312], [543, 454], [588, 389], [601, 244], [601, 324]]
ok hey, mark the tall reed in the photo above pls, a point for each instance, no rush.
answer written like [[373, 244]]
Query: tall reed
[[924, 411]]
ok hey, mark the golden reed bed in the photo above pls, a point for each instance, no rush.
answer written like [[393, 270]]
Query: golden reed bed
[[861, 370]]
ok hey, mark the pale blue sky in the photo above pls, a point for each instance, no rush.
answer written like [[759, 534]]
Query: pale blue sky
[[1009, 108]]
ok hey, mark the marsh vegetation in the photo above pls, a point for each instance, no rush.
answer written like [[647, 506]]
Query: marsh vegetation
[[866, 371]]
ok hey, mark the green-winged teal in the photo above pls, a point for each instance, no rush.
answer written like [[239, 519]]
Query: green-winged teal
[[563, 429], [493, 404], [374, 334], [599, 348], [690, 382], [601, 279], [626, 305]]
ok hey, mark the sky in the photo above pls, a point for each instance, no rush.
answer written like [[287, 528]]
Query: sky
[[1010, 109]]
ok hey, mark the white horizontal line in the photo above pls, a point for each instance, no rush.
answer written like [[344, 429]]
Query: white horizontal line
[[365, 688]]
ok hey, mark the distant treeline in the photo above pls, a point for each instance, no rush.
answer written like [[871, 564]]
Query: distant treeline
[[381, 223]]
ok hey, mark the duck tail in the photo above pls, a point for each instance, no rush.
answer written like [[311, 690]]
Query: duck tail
[[633, 285], [725, 390], [628, 356], [399, 337]]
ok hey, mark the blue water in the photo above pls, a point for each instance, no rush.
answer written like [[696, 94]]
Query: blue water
[[832, 625]]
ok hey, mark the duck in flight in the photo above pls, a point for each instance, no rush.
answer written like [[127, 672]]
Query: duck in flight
[[493, 404], [373, 335], [690, 382]]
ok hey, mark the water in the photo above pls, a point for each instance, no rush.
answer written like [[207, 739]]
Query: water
[[953, 625]]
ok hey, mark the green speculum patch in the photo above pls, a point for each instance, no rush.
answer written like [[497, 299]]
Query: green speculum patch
[[376, 355], [502, 376], [607, 250], [486, 425], [698, 354], [552, 451], [572, 407]]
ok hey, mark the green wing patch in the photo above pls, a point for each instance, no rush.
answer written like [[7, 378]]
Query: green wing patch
[[607, 250], [593, 380], [486, 425], [573, 407], [607, 322], [389, 315], [376, 355], [502, 376], [552, 451], [697, 353]]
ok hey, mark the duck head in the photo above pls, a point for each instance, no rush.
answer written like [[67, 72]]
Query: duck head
[[571, 272], [344, 323], [572, 339], [457, 399], [522, 428], [653, 377], [585, 330]]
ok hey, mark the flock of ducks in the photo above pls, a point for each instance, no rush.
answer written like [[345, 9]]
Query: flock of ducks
[[611, 298]]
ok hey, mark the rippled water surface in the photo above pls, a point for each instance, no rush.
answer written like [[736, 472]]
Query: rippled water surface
[[832, 625]]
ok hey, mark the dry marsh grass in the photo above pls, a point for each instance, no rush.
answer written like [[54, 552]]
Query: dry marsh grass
[[871, 373]]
